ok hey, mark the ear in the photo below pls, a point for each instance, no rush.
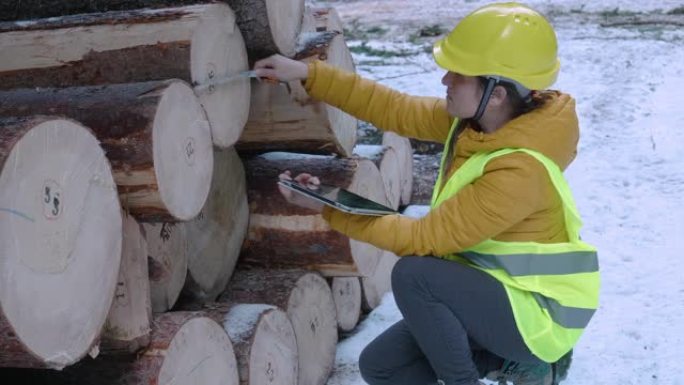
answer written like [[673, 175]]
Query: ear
[[498, 96]]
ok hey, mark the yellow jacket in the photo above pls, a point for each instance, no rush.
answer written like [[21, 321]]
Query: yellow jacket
[[514, 199]]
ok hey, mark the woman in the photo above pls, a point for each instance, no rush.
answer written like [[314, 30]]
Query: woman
[[496, 281]]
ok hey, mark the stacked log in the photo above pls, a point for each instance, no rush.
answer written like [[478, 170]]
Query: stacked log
[[185, 346], [216, 235], [404, 152], [386, 159], [307, 300], [283, 118], [155, 134], [198, 44], [285, 236], [269, 26], [377, 284], [127, 329], [60, 221], [347, 295], [264, 342], [131, 203], [167, 245]]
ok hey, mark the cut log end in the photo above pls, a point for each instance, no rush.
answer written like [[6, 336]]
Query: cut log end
[[128, 325], [218, 50], [183, 154], [61, 226], [265, 344], [346, 293], [216, 235], [200, 353], [168, 263]]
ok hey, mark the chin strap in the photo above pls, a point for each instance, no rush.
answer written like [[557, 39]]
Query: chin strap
[[489, 88]]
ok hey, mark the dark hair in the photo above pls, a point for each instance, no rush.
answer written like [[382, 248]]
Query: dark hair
[[519, 104]]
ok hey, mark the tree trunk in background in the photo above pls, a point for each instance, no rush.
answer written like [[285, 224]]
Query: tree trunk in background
[[263, 339], [215, 237], [155, 134], [168, 262], [197, 44], [347, 294], [402, 146], [287, 236], [127, 329], [307, 300], [283, 117], [386, 160], [60, 224], [380, 282]]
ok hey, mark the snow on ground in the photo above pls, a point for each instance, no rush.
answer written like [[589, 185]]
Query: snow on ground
[[628, 179]]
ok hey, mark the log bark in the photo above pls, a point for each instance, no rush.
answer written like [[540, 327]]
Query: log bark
[[167, 262], [269, 26], [307, 300], [127, 329], [283, 117], [197, 44], [402, 147], [155, 134], [216, 235], [386, 159], [287, 236], [347, 295], [186, 348], [60, 224], [380, 282], [263, 339], [425, 171]]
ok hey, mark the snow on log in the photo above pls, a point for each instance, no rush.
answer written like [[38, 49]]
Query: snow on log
[[282, 117], [60, 224], [155, 134], [307, 300], [127, 329], [402, 147], [198, 44], [167, 262], [216, 235], [288, 236], [263, 339], [346, 293], [386, 159], [380, 282]]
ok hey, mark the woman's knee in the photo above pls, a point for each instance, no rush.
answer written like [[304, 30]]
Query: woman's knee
[[368, 366], [404, 271]]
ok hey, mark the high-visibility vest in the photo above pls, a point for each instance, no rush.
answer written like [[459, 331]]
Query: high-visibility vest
[[553, 287]]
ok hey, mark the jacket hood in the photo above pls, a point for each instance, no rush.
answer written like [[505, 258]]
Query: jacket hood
[[551, 129]]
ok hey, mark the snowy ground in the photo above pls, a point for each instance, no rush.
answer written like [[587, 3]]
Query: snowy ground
[[628, 178]]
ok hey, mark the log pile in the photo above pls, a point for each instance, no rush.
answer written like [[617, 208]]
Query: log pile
[[145, 238]]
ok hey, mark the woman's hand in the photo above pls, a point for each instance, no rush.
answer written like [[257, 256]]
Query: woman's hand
[[281, 68], [308, 180]]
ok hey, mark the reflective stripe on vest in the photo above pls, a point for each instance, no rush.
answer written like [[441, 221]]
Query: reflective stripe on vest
[[553, 288]]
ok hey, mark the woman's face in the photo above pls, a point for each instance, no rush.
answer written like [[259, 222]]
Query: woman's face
[[463, 94]]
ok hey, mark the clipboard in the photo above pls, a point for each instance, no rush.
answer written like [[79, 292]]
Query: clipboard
[[340, 199]]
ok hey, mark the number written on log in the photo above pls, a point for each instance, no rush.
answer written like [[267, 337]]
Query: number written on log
[[190, 151], [52, 199]]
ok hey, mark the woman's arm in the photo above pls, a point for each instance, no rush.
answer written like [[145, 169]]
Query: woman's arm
[[411, 116], [512, 188]]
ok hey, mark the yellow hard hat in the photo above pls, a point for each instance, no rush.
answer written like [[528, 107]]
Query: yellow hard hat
[[505, 39]]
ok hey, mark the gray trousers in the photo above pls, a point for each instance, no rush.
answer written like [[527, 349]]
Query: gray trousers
[[457, 326]]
